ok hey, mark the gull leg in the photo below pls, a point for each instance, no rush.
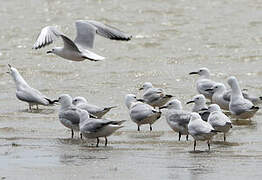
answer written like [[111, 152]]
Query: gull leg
[[224, 137], [81, 136], [30, 107], [150, 127], [97, 142], [194, 145], [208, 144], [179, 136], [37, 107], [138, 128], [187, 137], [72, 133], [105, 141]]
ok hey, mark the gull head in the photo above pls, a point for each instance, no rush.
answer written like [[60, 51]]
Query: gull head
[[173, 104], [12, 71], [202, 72], [129, 99], [65, 100], [217, 87], [83, 114], [55, 50], [195, 116], [213, 108], [198, 99], [146, 86], [231, 81], [78, 100]]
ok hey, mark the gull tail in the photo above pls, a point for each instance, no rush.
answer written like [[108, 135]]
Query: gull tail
[[254, 108], [229, 124]]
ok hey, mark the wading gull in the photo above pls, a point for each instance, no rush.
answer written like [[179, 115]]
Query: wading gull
[[200, 106], [69, 114], [177, 118], [77, 50], [155, 97], [240, 107], [95, 128], [26, 93], [200, 130], [218, 120], [141, 113], [203, 83], [97, 111]]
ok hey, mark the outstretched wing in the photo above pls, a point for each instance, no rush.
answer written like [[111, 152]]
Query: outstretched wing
[[86, 31], [47, 36]]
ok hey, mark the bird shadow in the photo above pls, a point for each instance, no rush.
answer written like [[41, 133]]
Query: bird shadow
[[39, 111], [200, 151], [242, 122]]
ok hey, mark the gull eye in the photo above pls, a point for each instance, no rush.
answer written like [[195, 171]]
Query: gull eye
[[200, 70]]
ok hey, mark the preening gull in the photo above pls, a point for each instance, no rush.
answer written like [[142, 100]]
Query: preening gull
[[240, 107], [204, 82], [26, 93], [155, 97], [97, 111], [141, 113], [77, 50], [177, 118]]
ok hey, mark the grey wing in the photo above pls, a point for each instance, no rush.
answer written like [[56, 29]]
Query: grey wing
[[109, 31], [69, 44], [140, 112], [71, 114], [242, 106], [181, 117], [227, 95], [206, 85], [153, 94], [85, 34], [32, 96], [47, 36], [94, 125]]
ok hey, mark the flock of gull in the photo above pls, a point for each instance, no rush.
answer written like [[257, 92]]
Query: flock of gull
[[202, 123]]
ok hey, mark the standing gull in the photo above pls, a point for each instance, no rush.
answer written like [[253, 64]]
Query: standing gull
[[155, 97], [95, 128], [218, 120], [221, 95], [204, 82], [77, 50], [69, 114], [200, 106], [26, 93], [200, 130], [240, 107], [97, 111], [141, 113], [177, 118]]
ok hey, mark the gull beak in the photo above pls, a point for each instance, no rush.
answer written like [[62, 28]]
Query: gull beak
[[162, 107], [193, 73], [209, 90], [190, 102], [48, 52], [8, 72], [141, 100], [141, 88], [55, 101]]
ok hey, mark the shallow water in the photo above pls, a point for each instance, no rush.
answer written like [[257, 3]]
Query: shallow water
[[170, 39]]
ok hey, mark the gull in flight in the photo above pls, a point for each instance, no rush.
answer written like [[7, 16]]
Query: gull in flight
[[177, 118], [155, 97], [218, 120], [200, 130], [240, 107], [97, 111], [95, 128], [204, 82], [26, 93], [141, 113], [77, 50]]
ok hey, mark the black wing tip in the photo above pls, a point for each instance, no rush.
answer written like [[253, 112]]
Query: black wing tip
[[255, 107], [260, 97], [169, 96], [51, 101]]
